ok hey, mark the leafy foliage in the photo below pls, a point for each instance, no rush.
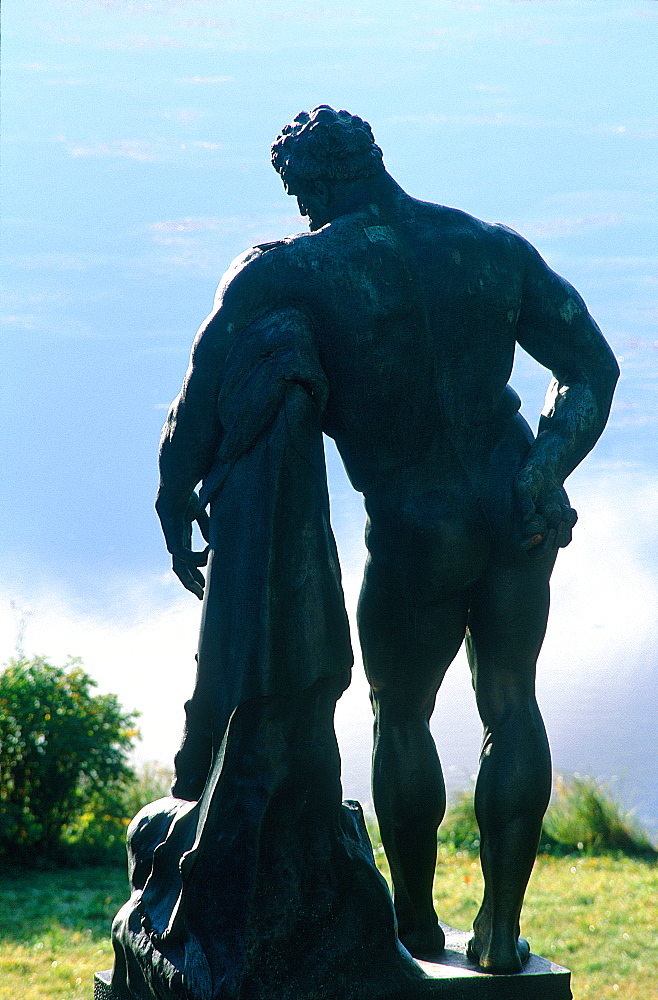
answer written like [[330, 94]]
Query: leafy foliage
[[97, 834], [63, 757]]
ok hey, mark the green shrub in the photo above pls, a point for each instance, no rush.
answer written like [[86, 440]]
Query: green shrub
[[459, 829], [63, 759], [584, 815], [97, 834], [151, 781]]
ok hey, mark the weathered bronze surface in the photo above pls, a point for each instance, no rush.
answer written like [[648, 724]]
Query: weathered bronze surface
[[391, 327]]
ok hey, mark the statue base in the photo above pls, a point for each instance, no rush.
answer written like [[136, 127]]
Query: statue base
[[454, 978], [266, 888], [459, 979]]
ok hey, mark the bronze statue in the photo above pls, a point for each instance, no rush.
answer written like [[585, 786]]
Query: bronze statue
[[391, 327]]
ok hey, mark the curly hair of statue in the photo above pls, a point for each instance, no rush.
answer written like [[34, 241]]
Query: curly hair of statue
[[327, 145]]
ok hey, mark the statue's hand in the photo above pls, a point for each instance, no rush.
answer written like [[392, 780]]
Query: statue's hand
[[177, 529], [185, 565], [547, 518]]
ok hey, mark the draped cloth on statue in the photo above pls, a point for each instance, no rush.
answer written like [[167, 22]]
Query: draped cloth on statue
[[267, 865], [274, 618]]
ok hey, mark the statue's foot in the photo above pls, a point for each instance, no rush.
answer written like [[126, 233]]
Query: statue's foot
[[427, 943], [498, 958]]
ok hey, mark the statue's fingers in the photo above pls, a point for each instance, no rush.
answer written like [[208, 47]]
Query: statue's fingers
[[563, 535], [203, 521], [531, 541], [562, 518], [197, 576], [190, 557], [533, 532], [552, 511], [191, 578], [570, 517], [188, 582], [548, 543]]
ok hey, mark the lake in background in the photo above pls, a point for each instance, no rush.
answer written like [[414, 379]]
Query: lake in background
[[136, 166]]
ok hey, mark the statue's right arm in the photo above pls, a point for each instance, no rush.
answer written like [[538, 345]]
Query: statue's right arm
[[556, 328]]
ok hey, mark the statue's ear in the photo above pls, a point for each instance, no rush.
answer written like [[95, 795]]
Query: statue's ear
[[321, 192]]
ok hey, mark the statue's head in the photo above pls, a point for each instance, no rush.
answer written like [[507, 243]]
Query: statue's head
[[320, 152]]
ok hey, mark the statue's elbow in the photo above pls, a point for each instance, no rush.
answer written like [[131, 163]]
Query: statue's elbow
[[607, 373]]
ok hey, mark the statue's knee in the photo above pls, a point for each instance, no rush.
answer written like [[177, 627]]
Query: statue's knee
[[397, 707], [504, 695]]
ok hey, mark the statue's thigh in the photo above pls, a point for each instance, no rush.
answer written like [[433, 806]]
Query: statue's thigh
[[409, 634], [507, 622]]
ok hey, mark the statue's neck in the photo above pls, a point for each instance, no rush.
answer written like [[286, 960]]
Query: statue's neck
[[382, 192]]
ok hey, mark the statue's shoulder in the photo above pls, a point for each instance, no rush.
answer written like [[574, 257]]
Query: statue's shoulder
[[243, 269], [504, 240], [457, 222], [257, 264], [266, 279]]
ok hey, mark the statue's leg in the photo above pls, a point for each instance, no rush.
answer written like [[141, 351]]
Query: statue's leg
[[407, 650], [507, 623]]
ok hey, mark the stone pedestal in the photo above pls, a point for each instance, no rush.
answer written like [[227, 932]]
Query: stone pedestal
[[453, 978]]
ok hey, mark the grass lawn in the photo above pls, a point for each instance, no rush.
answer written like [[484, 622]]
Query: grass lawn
[[595, 915], [54, 930]]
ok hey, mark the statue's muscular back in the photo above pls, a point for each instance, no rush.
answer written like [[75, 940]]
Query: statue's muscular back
[[415, 313]]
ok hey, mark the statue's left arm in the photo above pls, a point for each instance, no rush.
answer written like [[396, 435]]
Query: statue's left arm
[[190, 438], [555, 327], [193, 432]]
